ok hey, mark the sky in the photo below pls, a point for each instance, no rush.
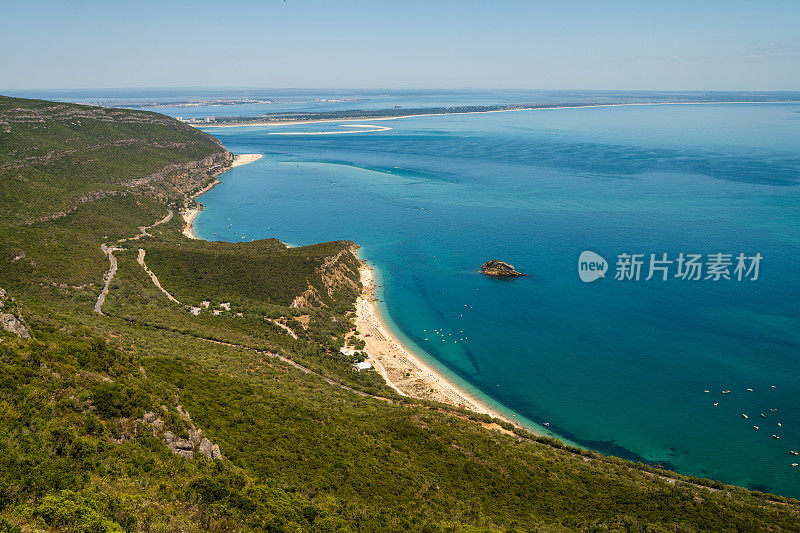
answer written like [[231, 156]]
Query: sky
[[569, 44]]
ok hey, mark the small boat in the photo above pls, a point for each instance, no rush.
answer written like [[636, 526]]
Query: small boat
[[706, 390], [794, 452], [794, 464], [772, 410], [726, 392], [744, 415], [775, 437], [772, 386], [755, 427], [716, 404], [763, 415], [779, 425], [749, 390], [546, 424]]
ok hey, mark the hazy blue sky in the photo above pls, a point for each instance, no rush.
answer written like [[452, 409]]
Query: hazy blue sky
[[672, 44]]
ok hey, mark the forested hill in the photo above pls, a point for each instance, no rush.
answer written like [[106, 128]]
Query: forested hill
[[202, 387], [54, 156]]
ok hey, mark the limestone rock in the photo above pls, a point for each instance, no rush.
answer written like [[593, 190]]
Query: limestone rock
[[197, 443], [196, 436], [216, 454], [204, 448], [15, 325], [182, 444]]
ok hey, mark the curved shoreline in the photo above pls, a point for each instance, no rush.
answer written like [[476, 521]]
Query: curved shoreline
[[390, 357], [404, 369], [189, 215]]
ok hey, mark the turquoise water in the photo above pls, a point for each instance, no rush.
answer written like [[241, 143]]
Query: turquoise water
[[616, 366]]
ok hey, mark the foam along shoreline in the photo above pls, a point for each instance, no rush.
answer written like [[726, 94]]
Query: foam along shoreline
[[400, 367], [371, 119], [190, 214]]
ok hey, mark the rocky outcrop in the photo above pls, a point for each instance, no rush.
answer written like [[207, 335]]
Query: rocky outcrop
[[10, 319], [337, 272], [499, 269], [341, 270], [309, 298], [15, 325], [187, 447], [183, 178]]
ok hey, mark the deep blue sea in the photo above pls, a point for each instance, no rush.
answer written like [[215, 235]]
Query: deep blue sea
[[619, 366]]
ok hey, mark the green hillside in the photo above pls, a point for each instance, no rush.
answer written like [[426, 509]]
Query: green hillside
[[150, 418]]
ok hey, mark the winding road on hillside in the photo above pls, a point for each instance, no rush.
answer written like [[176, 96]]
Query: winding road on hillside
[[109, 251], [98, 307], [149, 272]]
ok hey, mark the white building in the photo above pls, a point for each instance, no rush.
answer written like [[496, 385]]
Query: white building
[[226, 306], [194, 310], [363, 365], [216, 312], [347, 351]]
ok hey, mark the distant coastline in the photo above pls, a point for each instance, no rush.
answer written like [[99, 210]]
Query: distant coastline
[[394, 114]]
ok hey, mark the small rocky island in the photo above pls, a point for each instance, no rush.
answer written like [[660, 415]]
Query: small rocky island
[[499, 269]]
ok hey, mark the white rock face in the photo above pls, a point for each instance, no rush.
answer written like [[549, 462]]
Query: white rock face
[[204, 448], [12, 322], [15, 325]]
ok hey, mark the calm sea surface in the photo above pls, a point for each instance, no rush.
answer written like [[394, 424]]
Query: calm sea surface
[[620, 366], [617, 366]]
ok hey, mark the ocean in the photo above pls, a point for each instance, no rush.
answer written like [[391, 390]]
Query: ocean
[[620, 366]]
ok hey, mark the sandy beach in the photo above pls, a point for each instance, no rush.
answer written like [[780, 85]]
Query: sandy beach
[[188, 220], [243, 159], [400, 367], [366, 128], [190, 214]]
